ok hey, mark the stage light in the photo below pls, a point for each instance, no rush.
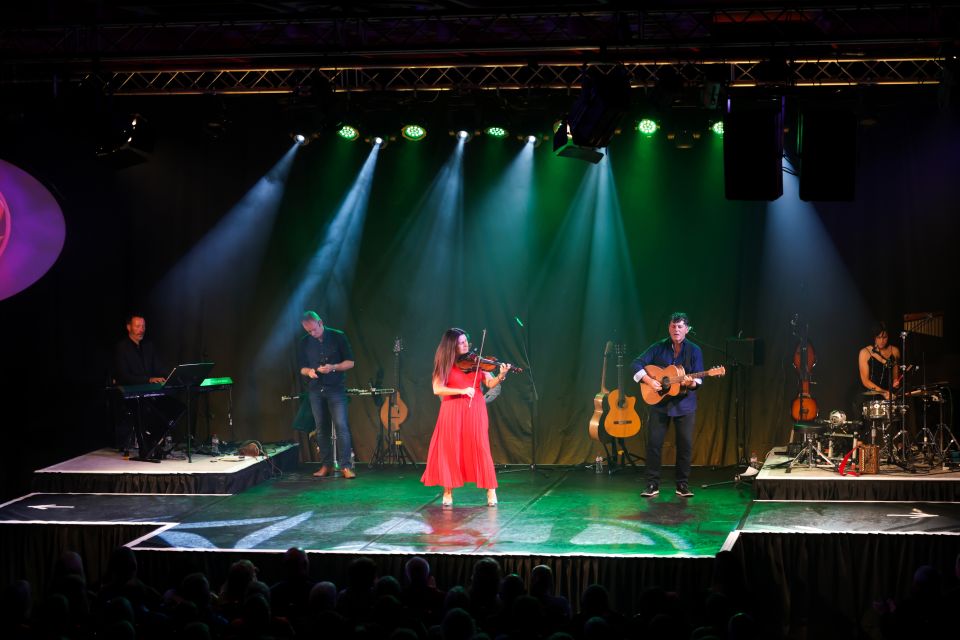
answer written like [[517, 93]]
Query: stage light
[[124, 140], [594, 117], [299, 138], [413, 132], [497, 132], [464, 135], [717, 127], [532, 139], [377, 141], [348, 132], [647, 126]]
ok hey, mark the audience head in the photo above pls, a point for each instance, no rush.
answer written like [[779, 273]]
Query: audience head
[[457, 625], [195, 588], [240, 574], [296, 564], [361, 572], [541, 581], [486, 577], [122, 566], [417, 571], [595, 600], [456, 598], [323, 597]]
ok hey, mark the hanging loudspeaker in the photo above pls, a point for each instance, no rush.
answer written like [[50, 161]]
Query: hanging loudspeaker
[[752, 151]]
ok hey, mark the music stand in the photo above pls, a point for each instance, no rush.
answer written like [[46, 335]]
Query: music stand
[[188, 376]]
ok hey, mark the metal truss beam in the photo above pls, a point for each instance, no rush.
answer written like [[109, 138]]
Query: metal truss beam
[[506, 77], [300, 37]]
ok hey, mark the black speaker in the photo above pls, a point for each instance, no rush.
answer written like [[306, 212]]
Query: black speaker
[[828, 154], [752, 152]]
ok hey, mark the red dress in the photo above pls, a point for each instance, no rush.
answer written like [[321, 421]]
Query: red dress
[[460, 446]]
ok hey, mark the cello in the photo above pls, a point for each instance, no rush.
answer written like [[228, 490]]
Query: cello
[[804, 407]]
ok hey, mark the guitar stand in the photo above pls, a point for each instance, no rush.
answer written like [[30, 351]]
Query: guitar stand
[[618, 456], [390, 449]]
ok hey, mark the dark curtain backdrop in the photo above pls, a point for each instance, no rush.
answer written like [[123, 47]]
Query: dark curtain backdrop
[[222, 243]]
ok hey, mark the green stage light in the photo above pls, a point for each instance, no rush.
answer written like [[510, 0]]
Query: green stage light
[[497, 132], [348, 133], [717, 127], [413, 132], [647, 127]]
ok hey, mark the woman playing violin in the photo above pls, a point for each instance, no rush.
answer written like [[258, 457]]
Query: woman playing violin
[[460, 446]]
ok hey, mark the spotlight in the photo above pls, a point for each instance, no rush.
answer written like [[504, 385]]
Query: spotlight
[[532, 139], [497, 132], [348, 132], [647, 126], [300, 139], [462, 134], [717, 127], [563, 145], [124, 140], [377, 141], [413, 132], [593, 119]]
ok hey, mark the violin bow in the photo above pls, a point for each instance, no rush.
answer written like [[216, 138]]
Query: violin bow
[[483, 339]]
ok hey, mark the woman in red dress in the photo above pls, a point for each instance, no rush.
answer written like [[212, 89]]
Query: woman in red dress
[[460, 446]]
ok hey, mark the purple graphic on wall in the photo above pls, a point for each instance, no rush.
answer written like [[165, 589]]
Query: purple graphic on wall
[[32, 230]]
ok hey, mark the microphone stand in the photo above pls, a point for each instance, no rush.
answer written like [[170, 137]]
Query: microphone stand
[[533, 403], [739, 407]]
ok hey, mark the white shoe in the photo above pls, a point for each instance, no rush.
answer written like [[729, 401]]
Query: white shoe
[[447, 500], [491, 497]]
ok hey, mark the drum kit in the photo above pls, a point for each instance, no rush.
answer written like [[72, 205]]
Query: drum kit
[[881, 435]]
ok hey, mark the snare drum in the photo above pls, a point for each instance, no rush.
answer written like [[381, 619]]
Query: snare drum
[[876, 410]]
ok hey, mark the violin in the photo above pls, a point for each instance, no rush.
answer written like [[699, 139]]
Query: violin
[[470, 362], [804, 407]]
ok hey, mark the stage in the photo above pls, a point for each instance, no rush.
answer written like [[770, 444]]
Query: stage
[[589, 527], [108, 471]]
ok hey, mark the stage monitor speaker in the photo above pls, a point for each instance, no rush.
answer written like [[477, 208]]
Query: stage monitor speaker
[[745, 351], [828, 154], [753, 151]]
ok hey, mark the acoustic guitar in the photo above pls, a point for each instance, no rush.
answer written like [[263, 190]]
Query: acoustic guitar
[[394, 411], [621, 419], [598, 400], [670, 378]]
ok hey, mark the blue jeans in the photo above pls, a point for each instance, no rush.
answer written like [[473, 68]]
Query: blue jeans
[[330, 405], [657, 426]]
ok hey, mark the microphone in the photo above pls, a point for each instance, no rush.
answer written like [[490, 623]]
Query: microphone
[[518, 320]]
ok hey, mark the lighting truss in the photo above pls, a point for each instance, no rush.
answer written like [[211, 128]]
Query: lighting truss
[[561, 77]]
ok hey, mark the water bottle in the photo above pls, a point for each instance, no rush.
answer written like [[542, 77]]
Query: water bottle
[[598, 464], [215, 445]]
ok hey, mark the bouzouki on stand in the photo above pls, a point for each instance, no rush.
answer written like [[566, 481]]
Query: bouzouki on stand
[[620, 420], [393, 413]]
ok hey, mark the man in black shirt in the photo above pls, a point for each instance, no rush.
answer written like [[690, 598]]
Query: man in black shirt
[[135, 361], [324, 354]]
